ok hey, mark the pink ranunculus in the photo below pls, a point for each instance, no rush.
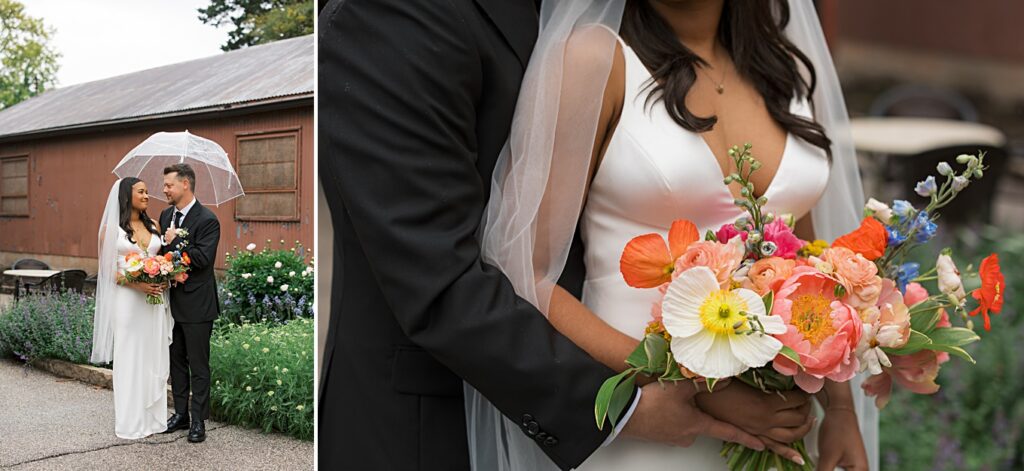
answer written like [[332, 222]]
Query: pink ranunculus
[[857, 274], [823, 330], [768, 274], [894, 312], [782, 235], [915, 294], [728, 231], [721, 258], [151, 266], [916, 372]]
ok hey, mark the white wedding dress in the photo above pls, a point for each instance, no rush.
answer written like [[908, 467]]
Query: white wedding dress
[[654, 172], [142, 334]]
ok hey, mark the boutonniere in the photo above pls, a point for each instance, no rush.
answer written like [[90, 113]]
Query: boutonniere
[[181, 234]]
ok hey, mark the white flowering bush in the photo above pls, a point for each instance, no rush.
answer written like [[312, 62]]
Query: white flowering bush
[[263, 376], [271, 284]]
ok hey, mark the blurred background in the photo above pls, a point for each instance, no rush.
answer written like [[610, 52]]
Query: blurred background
[[926, 80]]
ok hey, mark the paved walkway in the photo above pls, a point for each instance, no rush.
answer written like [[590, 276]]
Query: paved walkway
[[51, 423]]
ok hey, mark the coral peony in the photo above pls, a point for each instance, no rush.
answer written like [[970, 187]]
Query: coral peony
[[823, 330]]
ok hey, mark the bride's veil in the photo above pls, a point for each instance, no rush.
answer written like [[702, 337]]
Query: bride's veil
[[541, 174], [103, 319]]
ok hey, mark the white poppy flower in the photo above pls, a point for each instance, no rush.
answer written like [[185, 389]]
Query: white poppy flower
[[246, 275], [708, 329], [270, 279], [277, 264], [284, 287], [250, 247]]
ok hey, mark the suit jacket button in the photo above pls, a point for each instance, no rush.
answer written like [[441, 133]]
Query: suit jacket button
[[550, 441], [541, 436], [533, 428], [527, 418]]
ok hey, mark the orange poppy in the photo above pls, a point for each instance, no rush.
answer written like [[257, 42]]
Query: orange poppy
[[169, 257], [868, 240], [185, 259], [647, 261], [993, 287]]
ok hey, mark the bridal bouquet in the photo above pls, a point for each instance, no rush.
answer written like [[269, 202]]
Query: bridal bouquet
[[158, 269], [753, 302]]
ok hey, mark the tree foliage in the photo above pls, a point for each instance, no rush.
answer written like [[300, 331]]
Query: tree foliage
[[28, 65], [259, 21]]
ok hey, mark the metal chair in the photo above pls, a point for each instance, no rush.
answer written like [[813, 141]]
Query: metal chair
[[925, 102], [65, 280], [30, 264]]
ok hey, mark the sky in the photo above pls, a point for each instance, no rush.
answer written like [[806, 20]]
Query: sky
[[98, 39]]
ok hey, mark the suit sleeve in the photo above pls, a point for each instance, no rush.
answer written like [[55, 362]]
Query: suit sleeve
[[398, 89]]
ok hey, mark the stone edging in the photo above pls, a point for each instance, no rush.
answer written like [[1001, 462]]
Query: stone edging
[[88, 374]]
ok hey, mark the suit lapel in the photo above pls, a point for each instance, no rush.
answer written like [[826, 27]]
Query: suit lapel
[[517, 20], [192, 214]]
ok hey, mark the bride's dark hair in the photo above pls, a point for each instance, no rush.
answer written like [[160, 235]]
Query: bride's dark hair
[[752, 35], [124, 202]]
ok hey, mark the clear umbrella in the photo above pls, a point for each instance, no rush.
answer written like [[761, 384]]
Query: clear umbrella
[[216, 180]]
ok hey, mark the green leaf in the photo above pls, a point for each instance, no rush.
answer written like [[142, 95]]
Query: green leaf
[[924, 321], [953, 350], [953, 336], [604, 396], [638, 359], [917, 342], [672, 371], [620, 398], [792, 355], [769, 302], [655, 347], [710, 236]]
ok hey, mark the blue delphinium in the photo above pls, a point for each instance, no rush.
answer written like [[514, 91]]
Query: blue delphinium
[[926, 187], [895, 237], [924, 227], [906, 273], [903, 209]]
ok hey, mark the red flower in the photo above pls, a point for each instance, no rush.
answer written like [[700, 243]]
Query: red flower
[[184, 258], [647, 262], [169, 257], [868, 240], [993, 287]]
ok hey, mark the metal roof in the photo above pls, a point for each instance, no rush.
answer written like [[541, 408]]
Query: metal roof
[[279, 71]]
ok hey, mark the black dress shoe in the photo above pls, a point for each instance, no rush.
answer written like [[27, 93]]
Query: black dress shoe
[[198, 432], [177, 422]]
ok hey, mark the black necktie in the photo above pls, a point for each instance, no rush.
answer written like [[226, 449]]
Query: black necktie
[[177, 219]]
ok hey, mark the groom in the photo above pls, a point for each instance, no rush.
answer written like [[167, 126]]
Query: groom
[[416, 101], [195, 230]]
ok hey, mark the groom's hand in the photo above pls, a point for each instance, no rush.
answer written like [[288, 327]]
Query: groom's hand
[[668, 414], [169, 235], [777, 419]]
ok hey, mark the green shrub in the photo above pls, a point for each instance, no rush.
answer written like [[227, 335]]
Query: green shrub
[[48, 326], [263, 376], [976, 421], [273, 285]]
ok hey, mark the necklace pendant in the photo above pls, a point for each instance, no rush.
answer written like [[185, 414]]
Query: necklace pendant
[[720, 89]]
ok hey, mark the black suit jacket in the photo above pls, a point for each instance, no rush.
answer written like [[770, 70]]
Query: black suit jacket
[[195, 300], [416, 100]]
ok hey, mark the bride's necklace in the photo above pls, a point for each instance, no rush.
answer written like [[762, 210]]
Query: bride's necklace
[[719, 85], [138, 240]]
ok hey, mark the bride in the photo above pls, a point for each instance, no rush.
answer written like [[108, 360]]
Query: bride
[[128, 330], [623, 124]]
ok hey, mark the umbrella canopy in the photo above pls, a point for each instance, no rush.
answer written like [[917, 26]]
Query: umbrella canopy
[[216, 180]]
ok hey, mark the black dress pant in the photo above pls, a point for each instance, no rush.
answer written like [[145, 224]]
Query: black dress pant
[[190, 368]]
